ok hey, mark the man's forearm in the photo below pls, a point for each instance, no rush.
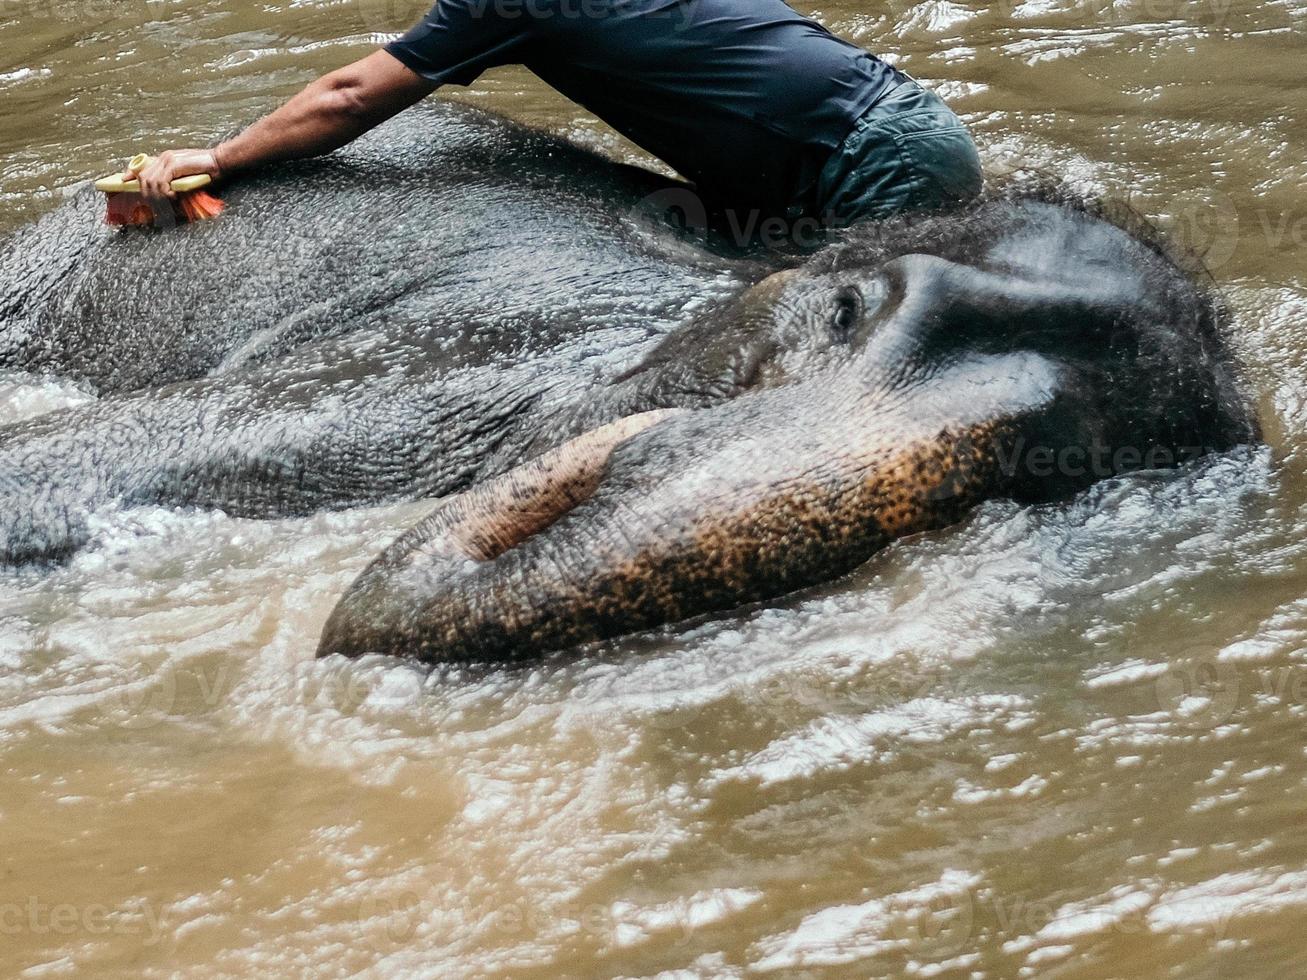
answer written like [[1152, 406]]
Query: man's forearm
[[325, 115], [330, 112]]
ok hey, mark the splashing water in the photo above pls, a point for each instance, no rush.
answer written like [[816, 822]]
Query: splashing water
[[1056, 740]]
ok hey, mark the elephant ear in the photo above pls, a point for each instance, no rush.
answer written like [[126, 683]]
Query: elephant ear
[[394, 605]]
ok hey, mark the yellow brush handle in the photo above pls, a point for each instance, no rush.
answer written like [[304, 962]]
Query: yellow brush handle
[[114, 183]]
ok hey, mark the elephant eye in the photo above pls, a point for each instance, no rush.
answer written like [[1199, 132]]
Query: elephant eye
[[848, 308]]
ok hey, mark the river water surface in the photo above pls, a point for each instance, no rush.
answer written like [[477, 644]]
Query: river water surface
[[1057, 742]]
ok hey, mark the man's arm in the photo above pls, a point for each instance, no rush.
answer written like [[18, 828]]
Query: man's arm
[[328, 113]]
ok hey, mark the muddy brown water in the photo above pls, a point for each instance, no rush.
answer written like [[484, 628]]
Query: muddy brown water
[[1063, 742]]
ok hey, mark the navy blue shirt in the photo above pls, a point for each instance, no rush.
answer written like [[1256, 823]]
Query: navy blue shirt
[[745, 98]]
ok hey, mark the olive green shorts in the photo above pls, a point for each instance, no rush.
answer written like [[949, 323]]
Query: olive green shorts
[[908, 152]]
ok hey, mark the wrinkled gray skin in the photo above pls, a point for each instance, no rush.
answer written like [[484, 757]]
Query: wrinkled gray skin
[[396, 321], [444, 223], [643, 427]]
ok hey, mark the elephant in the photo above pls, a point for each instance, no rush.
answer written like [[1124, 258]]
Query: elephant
[[1023, 349], [623, 423]]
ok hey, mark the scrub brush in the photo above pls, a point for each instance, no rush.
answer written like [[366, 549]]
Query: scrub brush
[[127, 207]]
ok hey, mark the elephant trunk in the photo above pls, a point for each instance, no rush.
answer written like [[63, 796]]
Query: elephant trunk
[[388, 609], [638, 524]]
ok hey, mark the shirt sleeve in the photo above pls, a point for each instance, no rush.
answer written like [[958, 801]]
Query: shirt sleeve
[[459, 39]]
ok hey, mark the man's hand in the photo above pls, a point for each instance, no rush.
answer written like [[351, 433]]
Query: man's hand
[[157, 176]]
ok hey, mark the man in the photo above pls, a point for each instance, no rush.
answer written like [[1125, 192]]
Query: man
[[766, 112]]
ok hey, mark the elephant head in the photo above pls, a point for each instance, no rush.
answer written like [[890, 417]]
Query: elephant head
[[1023, 348]]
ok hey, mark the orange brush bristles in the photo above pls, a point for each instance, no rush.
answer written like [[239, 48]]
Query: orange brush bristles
[[198, 205], [129, 208]]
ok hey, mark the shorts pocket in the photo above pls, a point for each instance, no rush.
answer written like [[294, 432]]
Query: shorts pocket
[[942, 164]]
